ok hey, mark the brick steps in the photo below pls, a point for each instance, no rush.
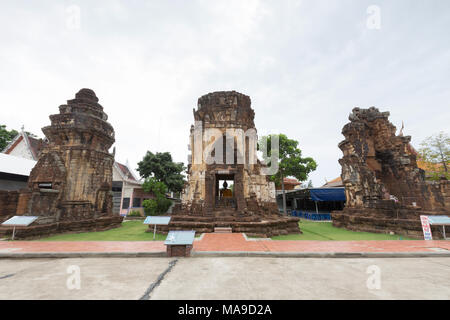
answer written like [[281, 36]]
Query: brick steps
[[264, 229], [223, 230]]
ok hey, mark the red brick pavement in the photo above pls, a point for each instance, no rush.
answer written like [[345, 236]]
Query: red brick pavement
[[226, 242], [237, 242]]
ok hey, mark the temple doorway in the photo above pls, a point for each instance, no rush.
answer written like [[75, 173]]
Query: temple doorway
[[225, 197]]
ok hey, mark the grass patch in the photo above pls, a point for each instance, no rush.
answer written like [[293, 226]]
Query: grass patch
[[129, 231], [325, 231], [135, 231]]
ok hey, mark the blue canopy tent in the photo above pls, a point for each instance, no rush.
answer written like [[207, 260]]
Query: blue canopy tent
[[327, 194], [315, 203]]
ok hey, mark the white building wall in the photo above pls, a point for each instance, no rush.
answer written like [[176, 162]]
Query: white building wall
[[116, 174], [22, 151], [127, 191]]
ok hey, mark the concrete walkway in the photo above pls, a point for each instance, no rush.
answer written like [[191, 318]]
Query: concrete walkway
[[225, 278], [219, 244]]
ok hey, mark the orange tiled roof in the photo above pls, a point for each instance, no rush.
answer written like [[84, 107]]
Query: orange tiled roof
[[291, 181], [125, 171], [338, 179], [428, 166], [336, 182]]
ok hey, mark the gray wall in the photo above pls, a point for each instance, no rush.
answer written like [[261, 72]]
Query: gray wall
[[12, 185]]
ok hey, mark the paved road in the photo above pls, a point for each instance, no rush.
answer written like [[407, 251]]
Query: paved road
[[225, 278]]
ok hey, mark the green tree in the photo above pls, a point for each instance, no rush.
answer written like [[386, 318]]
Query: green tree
[[290, 161], [161, 167], [157, 206], [155, 186], [160, 204], [6, 136], [435, 153], [150, 206]]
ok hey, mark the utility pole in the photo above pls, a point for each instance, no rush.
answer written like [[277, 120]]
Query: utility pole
[[284, 195]]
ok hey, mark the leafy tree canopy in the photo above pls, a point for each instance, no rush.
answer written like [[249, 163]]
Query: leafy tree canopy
[[157, 206], [6, 136], [155, 186], [163, 169], [435, 153], [290, 160]]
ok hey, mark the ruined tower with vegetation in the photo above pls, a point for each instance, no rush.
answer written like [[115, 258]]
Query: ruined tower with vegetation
[[385, 189]]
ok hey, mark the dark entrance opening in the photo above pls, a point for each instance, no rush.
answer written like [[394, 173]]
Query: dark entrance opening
[[225, 197]]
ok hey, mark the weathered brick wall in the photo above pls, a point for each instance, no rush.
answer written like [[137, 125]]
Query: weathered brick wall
[[378, 164], [36, 231], [384, 222], [23, 203], [179, 250], [251, 225], [8, 204]]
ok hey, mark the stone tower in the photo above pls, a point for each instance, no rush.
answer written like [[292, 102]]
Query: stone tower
[[70, 186], [223, 144], [224, 125], [385, 189]]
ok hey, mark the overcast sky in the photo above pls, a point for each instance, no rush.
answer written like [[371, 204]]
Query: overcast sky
[[305, 65]]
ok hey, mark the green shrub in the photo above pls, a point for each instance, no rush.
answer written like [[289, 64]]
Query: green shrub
[[163, 204], [157, 206], [155, 186], [150, 206], [160, 204], [134, 213]]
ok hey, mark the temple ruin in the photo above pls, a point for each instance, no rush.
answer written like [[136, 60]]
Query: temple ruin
[[223, 144], [385, 190], [69, 189]]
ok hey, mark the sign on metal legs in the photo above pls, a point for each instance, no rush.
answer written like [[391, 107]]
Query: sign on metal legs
[[156, 220], [19, 221], [440, 221]]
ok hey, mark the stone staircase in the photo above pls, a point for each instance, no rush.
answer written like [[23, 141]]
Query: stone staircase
[[223, 230], [225, 203]]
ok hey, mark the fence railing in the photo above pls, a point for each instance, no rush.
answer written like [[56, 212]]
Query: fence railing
[[311, 215]]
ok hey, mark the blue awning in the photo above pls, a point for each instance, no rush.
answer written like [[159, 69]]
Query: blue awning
[[327, 194]]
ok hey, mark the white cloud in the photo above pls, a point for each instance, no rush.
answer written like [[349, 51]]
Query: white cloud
[[305, 64]]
